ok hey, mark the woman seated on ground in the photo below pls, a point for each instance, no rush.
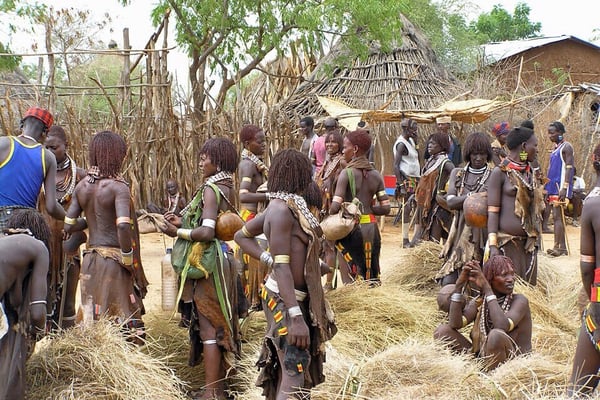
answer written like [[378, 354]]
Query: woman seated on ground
[[464, 242], [501, 319], [433, 221]]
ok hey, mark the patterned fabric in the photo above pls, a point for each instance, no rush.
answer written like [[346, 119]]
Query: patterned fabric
[[501, 128], [590, 322], [296, 361], [41, 114]]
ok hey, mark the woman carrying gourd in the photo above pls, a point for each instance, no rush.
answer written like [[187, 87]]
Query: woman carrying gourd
[[465, 243], [214, 326], [360, 182]]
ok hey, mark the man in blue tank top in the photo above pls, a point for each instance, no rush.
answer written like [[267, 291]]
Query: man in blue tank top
[[26, 165], [560, 184]]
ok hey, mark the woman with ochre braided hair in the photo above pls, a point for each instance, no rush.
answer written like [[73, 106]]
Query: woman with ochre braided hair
[[65, 262], [501, 318], [214, 324], [359, 181], [515, 205]]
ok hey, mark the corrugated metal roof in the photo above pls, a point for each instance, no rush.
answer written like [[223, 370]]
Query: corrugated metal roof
[[588, 87], [494, 52]]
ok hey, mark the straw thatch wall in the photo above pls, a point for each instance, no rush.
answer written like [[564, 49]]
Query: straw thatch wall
[[408, 77]]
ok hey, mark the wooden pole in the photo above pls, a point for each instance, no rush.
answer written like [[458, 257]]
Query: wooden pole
[[126, 102]]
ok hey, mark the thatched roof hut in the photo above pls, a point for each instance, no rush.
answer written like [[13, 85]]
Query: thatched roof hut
[[408, 77], [15, 97]]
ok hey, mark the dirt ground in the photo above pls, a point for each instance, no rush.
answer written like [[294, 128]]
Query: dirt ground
[[153, 249]]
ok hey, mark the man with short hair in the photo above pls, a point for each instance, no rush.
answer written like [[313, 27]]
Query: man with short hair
[[26, 165], [306, 128], [173, 202], [501, 318], [560, 184], [407, 169]]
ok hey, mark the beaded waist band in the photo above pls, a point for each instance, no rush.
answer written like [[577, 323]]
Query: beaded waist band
[[367, 219], [272, 285]]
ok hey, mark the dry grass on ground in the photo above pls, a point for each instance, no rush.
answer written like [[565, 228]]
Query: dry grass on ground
[[383, 350]]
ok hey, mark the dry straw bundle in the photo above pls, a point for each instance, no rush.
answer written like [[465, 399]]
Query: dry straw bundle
[[422, 369], [171, 343], [369, 319], [94, 362], [417, 269], [534, 376]]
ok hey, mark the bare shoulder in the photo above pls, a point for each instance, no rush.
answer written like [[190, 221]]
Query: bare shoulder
[[277, 210], [246, 165], [591, 206], [118, 186], [49, 157], [28, 246], [4, 142], [519, 298]]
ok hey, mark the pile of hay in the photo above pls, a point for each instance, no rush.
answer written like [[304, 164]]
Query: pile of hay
[[416, 270], [94, 362], [369, 319], [383, 349], [424, 370], [171, 343], [534, 376]]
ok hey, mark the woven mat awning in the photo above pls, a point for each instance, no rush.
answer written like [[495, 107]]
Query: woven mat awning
[[469, 111]]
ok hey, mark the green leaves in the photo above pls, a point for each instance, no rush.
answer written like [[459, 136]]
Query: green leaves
[[499, 25]]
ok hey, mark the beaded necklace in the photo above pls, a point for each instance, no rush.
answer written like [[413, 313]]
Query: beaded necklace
[[68, 184], [485, 322], [219, 176], [518, 170], [484, 172], [300, 203], [331, 165], [260, 165]]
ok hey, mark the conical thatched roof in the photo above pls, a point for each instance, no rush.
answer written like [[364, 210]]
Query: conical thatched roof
[[408, 77], [15, 97]]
